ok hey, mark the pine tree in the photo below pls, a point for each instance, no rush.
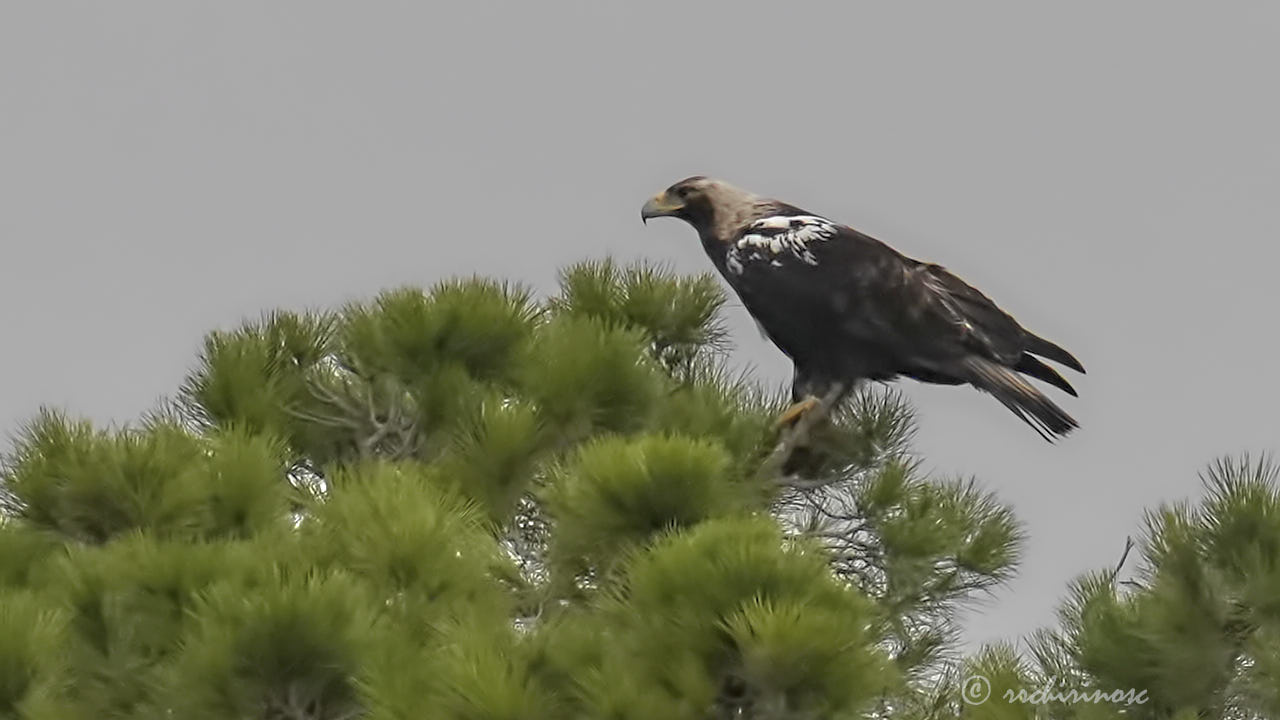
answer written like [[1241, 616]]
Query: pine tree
[[465, 502], [1191, 631]]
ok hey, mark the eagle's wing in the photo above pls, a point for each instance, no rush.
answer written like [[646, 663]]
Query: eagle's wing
[[916, 307], [962, 315], [951, 329], [845, 289], [988, 328]]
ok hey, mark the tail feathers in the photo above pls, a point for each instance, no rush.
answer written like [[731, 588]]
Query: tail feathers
[[1045, 349], [1030, 365], [1021, 397]]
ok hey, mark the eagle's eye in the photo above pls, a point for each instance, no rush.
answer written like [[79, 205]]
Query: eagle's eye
[[684, 191]]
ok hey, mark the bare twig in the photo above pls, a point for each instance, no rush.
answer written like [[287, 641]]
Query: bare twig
[[1128, 546]]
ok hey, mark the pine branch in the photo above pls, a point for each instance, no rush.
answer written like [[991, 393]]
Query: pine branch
[[393, 434]]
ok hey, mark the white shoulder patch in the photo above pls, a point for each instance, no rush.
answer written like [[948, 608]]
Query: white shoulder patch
[[770, 237]]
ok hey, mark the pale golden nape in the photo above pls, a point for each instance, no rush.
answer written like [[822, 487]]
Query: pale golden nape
[[734, 207]]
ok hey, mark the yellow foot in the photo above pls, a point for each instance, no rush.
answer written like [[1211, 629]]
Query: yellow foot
[[793, 413]]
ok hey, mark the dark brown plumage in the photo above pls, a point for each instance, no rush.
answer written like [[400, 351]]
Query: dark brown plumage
[[847, 307]]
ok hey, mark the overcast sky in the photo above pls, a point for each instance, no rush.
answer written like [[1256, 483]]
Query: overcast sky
[[1107, 172]]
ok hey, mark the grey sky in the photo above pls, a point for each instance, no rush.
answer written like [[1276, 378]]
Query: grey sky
[[1108, 172]]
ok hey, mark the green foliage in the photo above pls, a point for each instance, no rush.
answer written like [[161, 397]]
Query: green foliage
[[254, 375], [729, 410], [421, 549], [494, 455], [92, 486], [23, 550], [461, 502], [679, 316], [1191, 634], [31, 659], [289, 650], [990, 683], [479, 326], [128, 601], [491, 677], [617, 493], [919, 547], [728, 616], [586, 377]]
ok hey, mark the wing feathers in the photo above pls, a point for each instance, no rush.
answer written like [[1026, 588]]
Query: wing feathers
[[980, 311]]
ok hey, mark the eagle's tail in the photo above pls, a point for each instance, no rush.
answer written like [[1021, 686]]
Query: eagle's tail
[[1032, 366], [1037, 345], [1020, 396]]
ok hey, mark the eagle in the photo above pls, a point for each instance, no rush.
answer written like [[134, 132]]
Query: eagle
[[846, 307]]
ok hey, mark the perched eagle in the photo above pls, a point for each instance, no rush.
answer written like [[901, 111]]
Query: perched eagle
[[846, 307]]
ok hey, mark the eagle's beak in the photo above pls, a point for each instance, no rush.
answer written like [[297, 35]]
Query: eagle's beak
[[659, 206]]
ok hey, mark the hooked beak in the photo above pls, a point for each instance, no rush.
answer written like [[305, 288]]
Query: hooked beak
[[659, 206]]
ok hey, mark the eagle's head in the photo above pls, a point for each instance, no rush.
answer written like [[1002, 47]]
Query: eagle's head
[[713, 207]]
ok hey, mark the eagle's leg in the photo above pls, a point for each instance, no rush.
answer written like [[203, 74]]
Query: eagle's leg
[[794, 451], [807, 391], [796, 411]]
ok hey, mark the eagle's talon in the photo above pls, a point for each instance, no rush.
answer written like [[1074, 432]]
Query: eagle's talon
[[796, 411]]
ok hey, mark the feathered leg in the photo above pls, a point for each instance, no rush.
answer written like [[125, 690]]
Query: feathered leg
[[807, 393]]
